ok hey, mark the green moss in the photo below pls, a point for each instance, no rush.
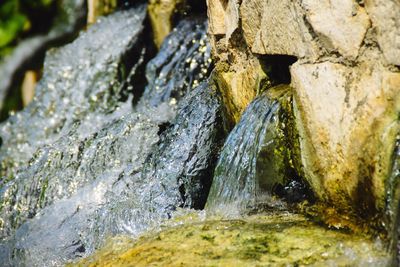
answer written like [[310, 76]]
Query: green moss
[[278, 239]]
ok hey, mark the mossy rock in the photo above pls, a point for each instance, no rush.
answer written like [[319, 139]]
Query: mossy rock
[[278, 239]]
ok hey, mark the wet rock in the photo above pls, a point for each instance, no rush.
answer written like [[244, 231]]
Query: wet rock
[[95, 164], [184, 61], [55, 235], [271, 239], [50, 149], [187, 151], [178, 173]]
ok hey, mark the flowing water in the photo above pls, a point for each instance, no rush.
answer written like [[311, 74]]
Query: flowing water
[[115, 145], [80, 152], [255, 166]]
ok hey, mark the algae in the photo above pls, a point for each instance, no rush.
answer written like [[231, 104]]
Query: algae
[[275, 239]]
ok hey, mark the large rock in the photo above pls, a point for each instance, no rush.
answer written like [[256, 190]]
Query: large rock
[[348, 121], [340, 24], [281, 239], [283, 30], [385, 18]]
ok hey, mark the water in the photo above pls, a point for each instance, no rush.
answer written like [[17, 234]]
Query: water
[[80, 146], [98, 153], [255, 164], [48, 148], [178, 173]]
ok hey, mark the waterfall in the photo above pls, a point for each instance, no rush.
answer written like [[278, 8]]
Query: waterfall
[[81, 163], [255, 164]]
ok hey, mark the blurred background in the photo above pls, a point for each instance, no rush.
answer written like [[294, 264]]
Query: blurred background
[[28, 28]]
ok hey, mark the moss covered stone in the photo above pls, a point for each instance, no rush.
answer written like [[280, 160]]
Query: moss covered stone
[[278, 239]]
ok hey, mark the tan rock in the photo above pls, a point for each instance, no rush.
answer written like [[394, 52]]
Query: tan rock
[[283, 31], [231, 18], [97, 8], [216, 16], [239, 86], [161, 13], [251, 12], [347, 119], [340, 24], [385, 16]]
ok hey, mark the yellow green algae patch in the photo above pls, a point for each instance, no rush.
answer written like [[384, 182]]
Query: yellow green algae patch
[[279, 239]]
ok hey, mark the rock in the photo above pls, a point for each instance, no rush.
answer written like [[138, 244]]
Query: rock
[[346, 93], [177, 174], [348, 121], [216, 17], [283, 30], [345, 29], [385, 18], [273, 239], [68, 189], [239, 86], [183, 62], [88, 181], [161, 14]]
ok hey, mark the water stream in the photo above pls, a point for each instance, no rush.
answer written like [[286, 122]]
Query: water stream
[[117, 140], [83, 169], [255, 166]]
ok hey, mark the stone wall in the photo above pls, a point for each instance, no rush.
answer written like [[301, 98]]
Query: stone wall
[[346, 82]]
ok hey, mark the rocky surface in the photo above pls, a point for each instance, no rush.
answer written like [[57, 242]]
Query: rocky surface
[[346, 86], [278, 239]]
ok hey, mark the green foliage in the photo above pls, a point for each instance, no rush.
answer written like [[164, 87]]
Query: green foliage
[[12, 21], [19, 18]]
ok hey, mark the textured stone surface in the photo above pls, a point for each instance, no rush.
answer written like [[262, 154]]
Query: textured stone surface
[[286, 33], [348, 120], [386, 19], [239, 86], [346, 93], [264, 240], [216, 16], [340, 24]]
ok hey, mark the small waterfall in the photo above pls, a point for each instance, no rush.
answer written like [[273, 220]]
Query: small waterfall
[[177, 174], [255, 163], [57, 145], [80, 153]]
